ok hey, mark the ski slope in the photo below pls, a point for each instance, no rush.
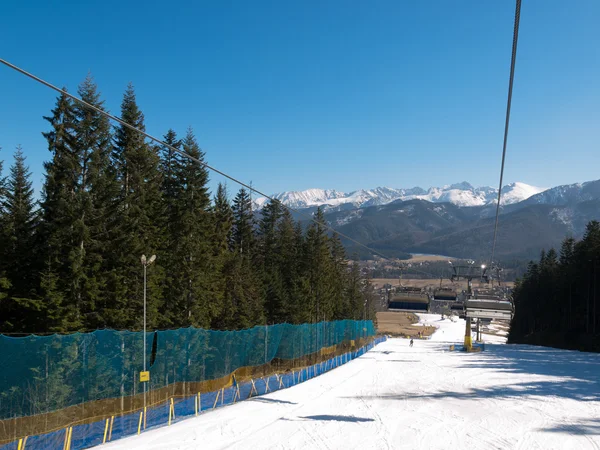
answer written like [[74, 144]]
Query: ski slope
[[425, 397]]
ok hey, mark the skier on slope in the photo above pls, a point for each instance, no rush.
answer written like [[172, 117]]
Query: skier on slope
[[411, 342]]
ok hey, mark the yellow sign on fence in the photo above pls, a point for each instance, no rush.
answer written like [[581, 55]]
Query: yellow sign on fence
[[144, 376]]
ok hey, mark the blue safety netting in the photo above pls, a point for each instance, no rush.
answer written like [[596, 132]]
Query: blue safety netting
[[48, 373], [89, 435]]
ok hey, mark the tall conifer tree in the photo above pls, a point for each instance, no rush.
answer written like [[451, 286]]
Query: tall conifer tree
[[58, 219], [243, 224], [192, 272], [222, 220], [21, 220], [3, 261], [318, 260], [96, 210], [140, 230], [270, 262], [243, 281]]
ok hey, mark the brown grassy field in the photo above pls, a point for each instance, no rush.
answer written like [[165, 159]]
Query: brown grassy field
[[420, 258], [379, 282], [397, 323]]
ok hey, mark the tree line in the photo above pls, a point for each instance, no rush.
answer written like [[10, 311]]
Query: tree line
[[557, 302], [70, 261]]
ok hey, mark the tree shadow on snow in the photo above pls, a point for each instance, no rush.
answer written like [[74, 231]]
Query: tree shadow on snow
[[584, 427], [335, 418], [271, 400], [379, 360], [573, 375], [338, 418]]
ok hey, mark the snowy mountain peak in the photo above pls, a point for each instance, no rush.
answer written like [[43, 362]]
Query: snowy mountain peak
[[460, 194], [464, 186], [517, 192]]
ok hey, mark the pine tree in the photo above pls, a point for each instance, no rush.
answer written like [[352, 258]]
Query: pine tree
[[2, 187], [78, 212], [244, 295], [222, 222], [4, 282], [270, 262], [21, 220], [354, 293], [140, 230], [566, 262], [369, 299], [242, 302], [319, 264], [96, 214], [339, 278], [3, 261], [191, 273], [301, 305], [243, 224], [567, 251], [170, 160], [58, 218], [292, 270]]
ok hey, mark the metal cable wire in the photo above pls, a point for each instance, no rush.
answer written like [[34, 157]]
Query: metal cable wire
[[131, 127], [508, 104]]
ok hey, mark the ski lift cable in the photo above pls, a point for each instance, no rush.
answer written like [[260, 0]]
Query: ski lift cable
[[186, 155], [508, 105]]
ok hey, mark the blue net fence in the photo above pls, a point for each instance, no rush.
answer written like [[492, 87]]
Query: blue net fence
[[79, 390]]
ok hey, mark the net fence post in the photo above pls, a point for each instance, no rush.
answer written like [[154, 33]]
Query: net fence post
[[216, 399], [140, 422], [105, 431], [112, 422], [171, 411], [21, 444]]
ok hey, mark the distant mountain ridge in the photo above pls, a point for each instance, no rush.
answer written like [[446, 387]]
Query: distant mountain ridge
[[567, 194], [459, 194], [455, 220]]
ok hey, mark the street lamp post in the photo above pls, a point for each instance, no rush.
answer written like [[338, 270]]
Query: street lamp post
[[145, 263]]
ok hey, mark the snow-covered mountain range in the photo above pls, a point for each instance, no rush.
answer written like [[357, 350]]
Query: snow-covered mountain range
[[460, 194]]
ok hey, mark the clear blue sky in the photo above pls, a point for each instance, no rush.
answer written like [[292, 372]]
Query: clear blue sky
[[336, 94]]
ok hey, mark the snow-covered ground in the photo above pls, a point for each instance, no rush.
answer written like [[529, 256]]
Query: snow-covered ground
[[425, 397]]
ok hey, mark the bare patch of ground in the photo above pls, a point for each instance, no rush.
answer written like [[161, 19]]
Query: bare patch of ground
[[420, 258], [401, 324], [497, 328], [458, 285]]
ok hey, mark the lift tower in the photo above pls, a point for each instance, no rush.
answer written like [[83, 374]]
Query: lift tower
[[469, 273]]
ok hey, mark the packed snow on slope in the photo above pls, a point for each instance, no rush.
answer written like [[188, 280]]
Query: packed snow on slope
[[424, 397]]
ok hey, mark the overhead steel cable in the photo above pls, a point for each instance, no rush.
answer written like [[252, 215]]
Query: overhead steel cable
[[186, 155], [508, 104]]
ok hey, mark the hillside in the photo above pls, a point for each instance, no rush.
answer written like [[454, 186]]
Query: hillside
[[418, 226]]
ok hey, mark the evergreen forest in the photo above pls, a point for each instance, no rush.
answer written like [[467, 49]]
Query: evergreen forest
[[70, 257], [556, 301]]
